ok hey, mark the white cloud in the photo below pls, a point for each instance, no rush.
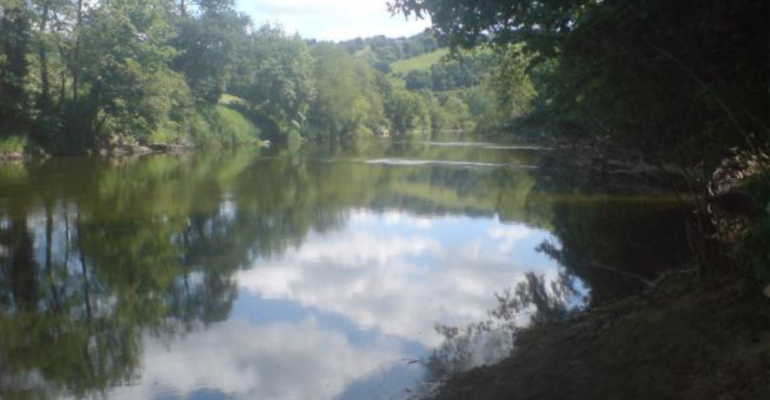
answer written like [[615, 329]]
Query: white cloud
[[401, 282], [333, 19], [393, 218], [273, 362], [509, 235]]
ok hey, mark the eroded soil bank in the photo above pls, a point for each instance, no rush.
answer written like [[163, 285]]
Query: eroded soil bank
[[687, 340]]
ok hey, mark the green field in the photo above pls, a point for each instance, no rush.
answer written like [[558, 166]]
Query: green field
[[420, 63]]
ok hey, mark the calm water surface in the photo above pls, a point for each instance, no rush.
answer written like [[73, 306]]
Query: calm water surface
[[318, 273]]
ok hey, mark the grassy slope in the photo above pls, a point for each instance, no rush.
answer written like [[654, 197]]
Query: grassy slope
[[420, 63], [223, 125]]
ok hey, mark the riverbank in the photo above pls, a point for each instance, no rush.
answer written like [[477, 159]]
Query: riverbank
[[118, 149], [210, 127], [687, 339]]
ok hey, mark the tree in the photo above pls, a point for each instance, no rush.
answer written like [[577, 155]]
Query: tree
[[126, 58], [348, 100], [467, 23], [512, 84], [406, 111], [275, 77], [208, 48], [14, 45], [418, 80]]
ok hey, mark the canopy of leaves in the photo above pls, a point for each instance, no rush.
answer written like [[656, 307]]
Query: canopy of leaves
[[685, 78]]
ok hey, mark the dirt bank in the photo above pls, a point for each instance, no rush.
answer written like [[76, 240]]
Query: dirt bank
[[687, 340]]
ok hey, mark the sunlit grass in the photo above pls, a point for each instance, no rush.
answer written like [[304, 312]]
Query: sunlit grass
[[420, 63]]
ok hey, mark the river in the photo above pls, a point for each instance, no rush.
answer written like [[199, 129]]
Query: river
[[332, 271]]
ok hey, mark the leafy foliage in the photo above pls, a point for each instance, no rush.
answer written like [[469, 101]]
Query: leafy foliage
[[348, 100], [672, 78], [275, 78], [208, 47], [407, 111], [14, 45]]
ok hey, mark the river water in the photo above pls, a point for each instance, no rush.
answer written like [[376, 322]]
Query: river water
[[326, 272]]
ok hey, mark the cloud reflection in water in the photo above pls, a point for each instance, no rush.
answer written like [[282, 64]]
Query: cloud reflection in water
[[388, 276]]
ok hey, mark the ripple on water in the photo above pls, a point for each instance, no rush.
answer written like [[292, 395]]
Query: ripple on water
[[407, 162], [488, 146], [459, 144], [524, 148], [460, 164]]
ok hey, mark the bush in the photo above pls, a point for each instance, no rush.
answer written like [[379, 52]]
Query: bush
[[220, 125], [13, 144]]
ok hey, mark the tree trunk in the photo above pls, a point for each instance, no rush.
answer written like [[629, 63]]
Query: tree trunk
[[76, 56], [45, 101]]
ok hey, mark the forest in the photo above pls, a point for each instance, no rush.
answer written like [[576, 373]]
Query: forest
[[77, 77]]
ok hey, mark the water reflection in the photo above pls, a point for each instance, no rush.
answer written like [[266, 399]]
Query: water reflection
[[285, 275], [536, 300], [400, 275]]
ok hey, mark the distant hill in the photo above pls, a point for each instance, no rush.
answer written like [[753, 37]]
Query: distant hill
[[419, 63]]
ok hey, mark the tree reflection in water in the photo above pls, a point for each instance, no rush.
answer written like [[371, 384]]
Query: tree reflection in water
[[536, 300]]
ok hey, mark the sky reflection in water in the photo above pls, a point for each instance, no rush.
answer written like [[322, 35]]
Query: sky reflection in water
[[343, 311]]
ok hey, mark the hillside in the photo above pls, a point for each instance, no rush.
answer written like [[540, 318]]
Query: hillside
[[419, 63]]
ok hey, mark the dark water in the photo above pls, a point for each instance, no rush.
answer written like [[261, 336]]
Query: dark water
[[319, 273]]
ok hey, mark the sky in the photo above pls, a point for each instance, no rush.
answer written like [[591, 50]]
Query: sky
[[332, 19]]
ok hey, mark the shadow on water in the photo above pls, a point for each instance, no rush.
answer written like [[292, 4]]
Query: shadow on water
[[97, 255]]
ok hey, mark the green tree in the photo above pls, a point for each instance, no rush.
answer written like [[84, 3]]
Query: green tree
[[15, 37], [512, 83], [208, 47], [126, 57], [418, 80], [406, 111], [348, 100], [276, 78]]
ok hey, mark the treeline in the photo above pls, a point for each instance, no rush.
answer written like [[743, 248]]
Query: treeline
[[77, 75], [446, 91], [461, 72], [383, 51]]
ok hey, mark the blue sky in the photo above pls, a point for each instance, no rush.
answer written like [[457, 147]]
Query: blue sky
[[332, 19]]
